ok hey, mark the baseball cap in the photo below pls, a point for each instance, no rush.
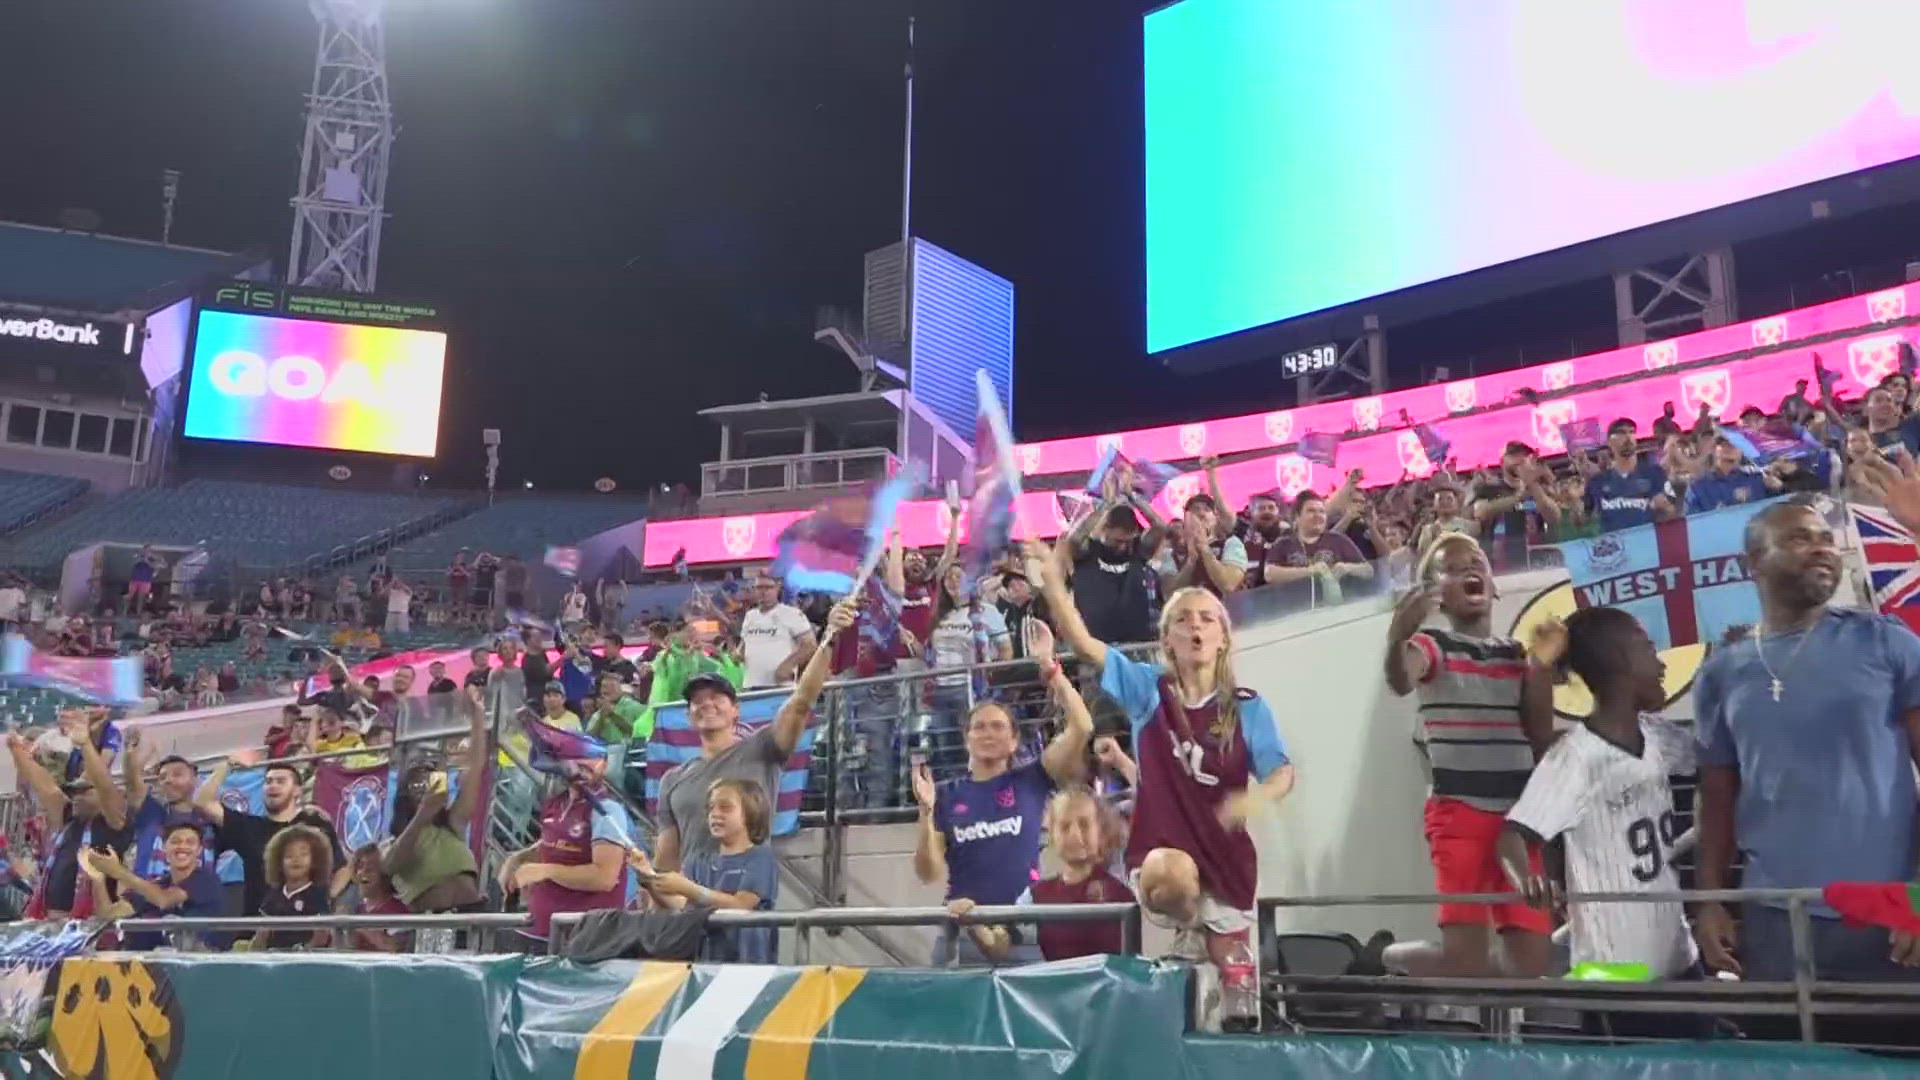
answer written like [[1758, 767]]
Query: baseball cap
[[554, 686], [710, 680]]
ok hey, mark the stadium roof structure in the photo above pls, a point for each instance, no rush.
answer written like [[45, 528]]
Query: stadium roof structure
[[92, 274]]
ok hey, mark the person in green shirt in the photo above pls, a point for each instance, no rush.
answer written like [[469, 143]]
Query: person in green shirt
[[1574, 522], [676, 666], [620, 718]]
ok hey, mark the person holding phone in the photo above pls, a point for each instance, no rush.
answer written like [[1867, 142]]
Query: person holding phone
[[428, 858]]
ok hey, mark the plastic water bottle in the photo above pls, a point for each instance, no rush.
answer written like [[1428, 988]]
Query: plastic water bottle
[[1240, 990]]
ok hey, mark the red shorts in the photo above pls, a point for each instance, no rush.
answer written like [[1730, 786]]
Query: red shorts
[[139, 588], [1462, 840]]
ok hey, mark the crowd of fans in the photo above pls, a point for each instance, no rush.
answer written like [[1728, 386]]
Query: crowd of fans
[[1139, 774]]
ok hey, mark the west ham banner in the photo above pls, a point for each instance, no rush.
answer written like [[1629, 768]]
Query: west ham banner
[[675, 741], [1685, 579]]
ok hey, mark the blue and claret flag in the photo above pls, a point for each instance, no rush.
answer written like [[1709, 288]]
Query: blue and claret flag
[[1685, 579]]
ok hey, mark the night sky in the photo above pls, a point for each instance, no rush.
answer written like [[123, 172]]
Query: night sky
[[631, 209]]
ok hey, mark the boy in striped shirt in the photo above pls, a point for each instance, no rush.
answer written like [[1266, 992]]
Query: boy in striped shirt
[[1486, 712]]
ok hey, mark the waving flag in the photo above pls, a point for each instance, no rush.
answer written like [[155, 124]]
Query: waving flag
[[675, 741], [564, 560], [1148, 476], [1584, 434], [1771, 442], [880, 621], [996, 485], [1321, 448], [1893, 564], [829, 549], [1431, 444], [550, 747], [112, 680], [360, 801], [1685, 579]]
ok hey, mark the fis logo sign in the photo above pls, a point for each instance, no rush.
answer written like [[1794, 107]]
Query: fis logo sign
[[251, 297]]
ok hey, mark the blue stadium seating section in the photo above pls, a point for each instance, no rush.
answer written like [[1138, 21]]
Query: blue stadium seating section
[[523, 525], [27, 497], [255, 524]]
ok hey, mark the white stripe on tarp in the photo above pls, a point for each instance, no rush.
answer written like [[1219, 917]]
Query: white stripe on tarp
[[688, 1048]]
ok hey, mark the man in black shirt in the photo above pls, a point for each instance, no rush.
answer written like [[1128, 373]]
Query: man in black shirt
[[482, 660], [534, 666], [1017, 605], [1111, 574], [248, 834], [611, 660]]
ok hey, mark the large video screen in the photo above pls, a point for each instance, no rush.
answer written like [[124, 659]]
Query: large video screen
[[1301, 156], [302, 382]]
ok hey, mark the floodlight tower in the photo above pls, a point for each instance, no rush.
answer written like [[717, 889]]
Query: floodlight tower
[[341, 202]]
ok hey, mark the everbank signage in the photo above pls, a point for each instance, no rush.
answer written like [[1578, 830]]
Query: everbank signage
[[49, 330], [1860, 362]]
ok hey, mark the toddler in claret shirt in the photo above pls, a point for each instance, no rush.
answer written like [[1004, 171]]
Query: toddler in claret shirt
[[1083, 832]]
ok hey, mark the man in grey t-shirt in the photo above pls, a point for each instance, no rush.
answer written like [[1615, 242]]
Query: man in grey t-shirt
[[713, 708]]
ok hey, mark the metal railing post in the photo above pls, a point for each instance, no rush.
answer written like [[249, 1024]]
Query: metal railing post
[[1132, 932], [1801, 926], [832, 852]]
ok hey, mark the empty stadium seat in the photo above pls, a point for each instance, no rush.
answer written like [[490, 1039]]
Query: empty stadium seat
[[257, 524], [27, 497], [523, 525]]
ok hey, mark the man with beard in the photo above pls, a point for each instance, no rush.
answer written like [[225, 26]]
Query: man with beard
[[84, 812], [1259, 530], [247, 834], [1486, 711], [1199, 557], [1809, 729], [1630, 489], [912, 580], [156, 808]]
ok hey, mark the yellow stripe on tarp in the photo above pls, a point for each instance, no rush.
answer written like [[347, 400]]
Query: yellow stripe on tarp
[[784, 1041], [607, 1051]]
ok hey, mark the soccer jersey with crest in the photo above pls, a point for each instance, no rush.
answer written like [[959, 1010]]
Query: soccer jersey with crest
[[1616, 810], [1189, 764]]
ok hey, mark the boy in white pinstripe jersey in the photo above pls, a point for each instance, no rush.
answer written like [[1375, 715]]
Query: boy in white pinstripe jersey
[[1604, 786]]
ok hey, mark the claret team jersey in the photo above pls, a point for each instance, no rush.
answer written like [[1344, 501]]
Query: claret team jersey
[[1187, 771]]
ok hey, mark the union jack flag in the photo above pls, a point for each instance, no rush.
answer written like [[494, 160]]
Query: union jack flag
[[1893, 564]]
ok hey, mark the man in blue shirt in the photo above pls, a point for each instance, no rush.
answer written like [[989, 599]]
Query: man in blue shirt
[[1729, 480], [1630, 490], [186, 888], [1809, 730]]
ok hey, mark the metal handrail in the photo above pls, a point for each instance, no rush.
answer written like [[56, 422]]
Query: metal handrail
[[802, 920], [1800, 926]]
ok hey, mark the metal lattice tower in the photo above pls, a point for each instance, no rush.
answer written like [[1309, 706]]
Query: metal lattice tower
[[341, 203]]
